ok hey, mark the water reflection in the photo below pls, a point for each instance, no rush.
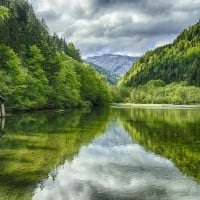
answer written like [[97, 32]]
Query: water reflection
[[32, 145], [173, 134], [113, 166]]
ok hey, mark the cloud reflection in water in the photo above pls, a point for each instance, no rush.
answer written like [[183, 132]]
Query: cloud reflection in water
[[114, 167]]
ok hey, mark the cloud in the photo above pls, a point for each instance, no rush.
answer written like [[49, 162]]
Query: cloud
[[51, 15], [118, 25], [114, 167]]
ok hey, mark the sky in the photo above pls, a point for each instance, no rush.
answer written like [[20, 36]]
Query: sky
[[127, 27]]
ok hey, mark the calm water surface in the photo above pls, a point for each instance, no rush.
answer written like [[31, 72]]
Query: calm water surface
[[139, 154]]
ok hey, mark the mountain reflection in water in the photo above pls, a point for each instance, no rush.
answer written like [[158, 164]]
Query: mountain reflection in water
[[113, 166]]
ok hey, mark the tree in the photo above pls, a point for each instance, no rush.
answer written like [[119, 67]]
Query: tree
[[4, 12], [93, 86], [12, 77], [73, 52], [37, 84], [64, 82]]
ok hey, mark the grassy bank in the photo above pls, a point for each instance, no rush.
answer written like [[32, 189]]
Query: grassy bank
[[155, 106]]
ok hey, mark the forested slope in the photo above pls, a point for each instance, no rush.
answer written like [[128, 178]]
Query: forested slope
[[111, 77], [40, 70], [175, 62]]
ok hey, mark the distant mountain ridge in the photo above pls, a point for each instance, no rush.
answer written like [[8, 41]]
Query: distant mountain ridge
[[118, 64]]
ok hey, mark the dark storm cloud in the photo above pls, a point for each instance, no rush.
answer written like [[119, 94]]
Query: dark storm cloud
[[129, 26], [144, 29], [87, 9], [147, 6], [104, 3]]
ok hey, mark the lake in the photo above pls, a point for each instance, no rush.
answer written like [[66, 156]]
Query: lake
[[113, 153]]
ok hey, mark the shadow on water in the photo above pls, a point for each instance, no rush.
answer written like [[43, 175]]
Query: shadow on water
[[32, 145]]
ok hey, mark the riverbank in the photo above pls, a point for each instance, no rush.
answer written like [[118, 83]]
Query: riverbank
[[154, 106]]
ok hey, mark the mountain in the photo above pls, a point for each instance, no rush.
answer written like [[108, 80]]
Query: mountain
[[176, 62], [111, 77], [116, 63]]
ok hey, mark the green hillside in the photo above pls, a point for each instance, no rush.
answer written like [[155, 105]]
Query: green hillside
[[39, 70], [175, 62], [110, 76]]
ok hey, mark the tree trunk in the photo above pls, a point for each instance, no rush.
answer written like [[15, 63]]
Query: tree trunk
[[2, 124], [2, 111]]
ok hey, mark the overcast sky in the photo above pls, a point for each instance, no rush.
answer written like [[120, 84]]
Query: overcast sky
[[117, 26]]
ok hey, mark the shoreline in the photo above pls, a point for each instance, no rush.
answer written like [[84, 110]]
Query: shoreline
[[154, 106]]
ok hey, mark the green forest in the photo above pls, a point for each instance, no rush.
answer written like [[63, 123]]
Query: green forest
[[111, 77], [168, 74], [39, 70]]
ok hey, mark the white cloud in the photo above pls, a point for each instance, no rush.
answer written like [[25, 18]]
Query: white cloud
[[98, 25]]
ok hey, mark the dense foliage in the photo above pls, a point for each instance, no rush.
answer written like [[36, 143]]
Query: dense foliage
[[120, 94], [155, 91], [3, 12], [175, 62], [39, 70]]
